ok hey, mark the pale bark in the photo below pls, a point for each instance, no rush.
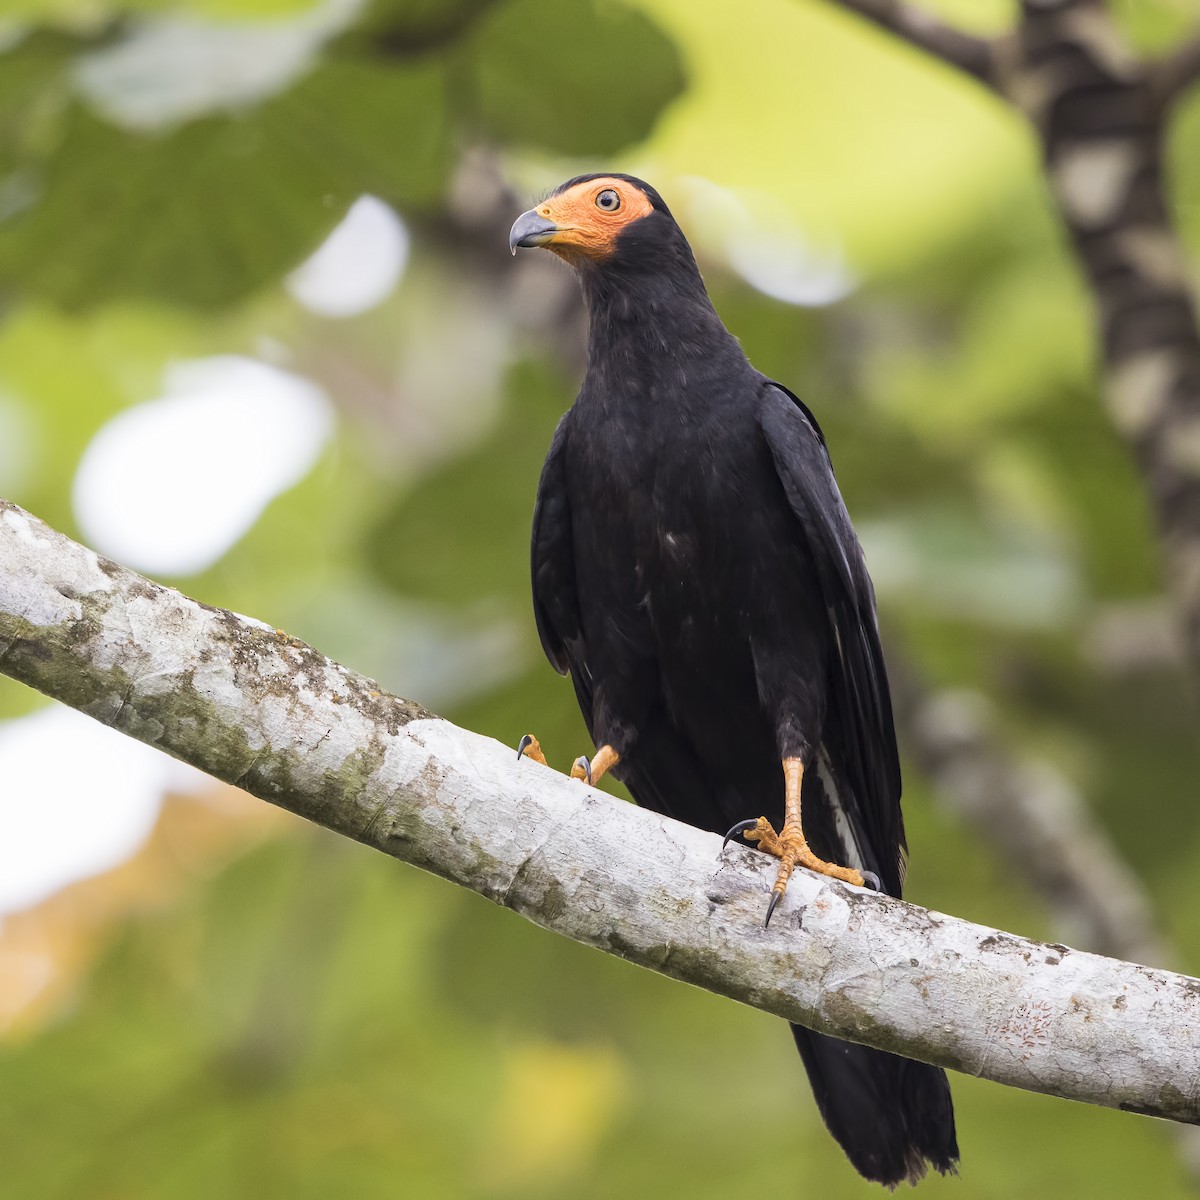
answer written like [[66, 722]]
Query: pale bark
[[259, 709]]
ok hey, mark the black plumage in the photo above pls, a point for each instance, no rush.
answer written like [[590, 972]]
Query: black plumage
[[696, 574]]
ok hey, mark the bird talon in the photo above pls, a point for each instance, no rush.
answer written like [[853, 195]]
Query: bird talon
[[594, 769], [776, 896], [871, 880], [740, 827], [584, 769], [530, 747]]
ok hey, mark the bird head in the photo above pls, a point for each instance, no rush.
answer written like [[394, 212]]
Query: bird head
[[591, 219]]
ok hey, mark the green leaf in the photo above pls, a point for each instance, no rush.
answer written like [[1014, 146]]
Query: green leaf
[[31, 85], [209, 212], [412, 26], [572, 77]]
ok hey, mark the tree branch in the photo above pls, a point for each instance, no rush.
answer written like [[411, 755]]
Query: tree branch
[[252, 706], [974, 55], [1044, 828], [1098, 110]]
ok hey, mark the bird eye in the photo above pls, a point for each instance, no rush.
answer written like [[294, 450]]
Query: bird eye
[[609, 200]]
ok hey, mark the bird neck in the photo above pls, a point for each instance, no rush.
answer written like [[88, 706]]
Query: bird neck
[[648, 332]]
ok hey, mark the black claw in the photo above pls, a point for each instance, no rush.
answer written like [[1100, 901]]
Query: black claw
[[872, 881], [587, 767], [740, 827], [525, 741], [775, 897]]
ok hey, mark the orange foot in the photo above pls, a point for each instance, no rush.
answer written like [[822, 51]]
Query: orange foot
[[789, 845], [589, 770]]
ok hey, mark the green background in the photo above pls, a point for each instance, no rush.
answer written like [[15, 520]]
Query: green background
[[314, 1019]]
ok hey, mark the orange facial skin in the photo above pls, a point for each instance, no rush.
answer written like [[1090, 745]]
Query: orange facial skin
[[585, 230]]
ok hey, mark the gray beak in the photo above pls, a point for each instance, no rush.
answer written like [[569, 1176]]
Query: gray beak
[[531, 229]]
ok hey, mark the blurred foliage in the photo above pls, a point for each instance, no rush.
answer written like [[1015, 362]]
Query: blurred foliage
[[433, 1047], [317, 1020], [265, 188], [225, 204]]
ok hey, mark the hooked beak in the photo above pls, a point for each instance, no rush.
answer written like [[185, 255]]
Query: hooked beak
[[531, 229]]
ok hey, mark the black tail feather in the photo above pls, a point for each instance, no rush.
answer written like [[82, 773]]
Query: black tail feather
[[893, 1117]]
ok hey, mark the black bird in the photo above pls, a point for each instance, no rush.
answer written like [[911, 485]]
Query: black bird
[[696, 574]]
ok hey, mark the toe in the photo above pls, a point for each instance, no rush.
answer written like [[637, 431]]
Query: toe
[[530, 747]]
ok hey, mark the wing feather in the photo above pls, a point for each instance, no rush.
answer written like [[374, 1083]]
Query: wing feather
[[864, 739], [552, 568]]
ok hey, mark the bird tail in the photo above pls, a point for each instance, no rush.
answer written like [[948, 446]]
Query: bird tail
[[892, 1116]]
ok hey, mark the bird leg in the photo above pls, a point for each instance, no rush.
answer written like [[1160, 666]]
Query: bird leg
[[789, 845], [590, 771]]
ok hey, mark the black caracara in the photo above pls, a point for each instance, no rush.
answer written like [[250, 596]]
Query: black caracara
[[696, 574]]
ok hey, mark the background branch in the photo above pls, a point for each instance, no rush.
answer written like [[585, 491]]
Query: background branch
[[1034, 816], [1029, 812], [975, 55], [256, 708], [1098, 111]]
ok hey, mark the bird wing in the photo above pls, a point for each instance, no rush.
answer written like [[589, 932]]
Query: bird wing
[[552, 564], [861, 703]]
